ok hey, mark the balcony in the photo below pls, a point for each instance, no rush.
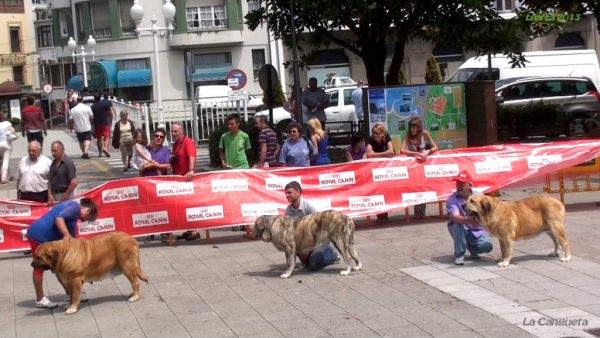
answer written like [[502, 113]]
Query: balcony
[[105, 33], [206, 38]]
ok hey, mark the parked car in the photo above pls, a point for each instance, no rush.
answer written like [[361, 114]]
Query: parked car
[[340, 112], [216, 98], [576, 97]]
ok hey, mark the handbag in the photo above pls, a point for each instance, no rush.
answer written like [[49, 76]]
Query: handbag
[[11, 136]]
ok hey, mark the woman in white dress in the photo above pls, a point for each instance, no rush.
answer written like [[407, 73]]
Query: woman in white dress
[[6, 128]]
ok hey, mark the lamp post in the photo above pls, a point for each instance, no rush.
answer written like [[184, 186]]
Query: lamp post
[[137, 14], [83, 55], [297, 90]]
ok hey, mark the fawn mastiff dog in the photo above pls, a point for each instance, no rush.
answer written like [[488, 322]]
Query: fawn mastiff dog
[[519, 220], [81, 260], [296, 235]]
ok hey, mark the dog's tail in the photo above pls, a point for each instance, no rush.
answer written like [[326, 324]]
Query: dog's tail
[[141, 275]]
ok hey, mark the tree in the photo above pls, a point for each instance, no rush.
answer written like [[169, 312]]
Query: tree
[[277, 100], [402, 77], [432, 73], [364, 27]]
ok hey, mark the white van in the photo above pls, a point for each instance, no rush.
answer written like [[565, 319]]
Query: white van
[[551, 63], [217, 96]]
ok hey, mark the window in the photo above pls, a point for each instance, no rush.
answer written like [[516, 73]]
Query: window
[[127, 23], [44, 36], [39, 2], [134, 64], [258, 61], [64, 27], [348, 96], [69, 70], [333, 98], [505, 5], [56, 75], [43, 15], [212, 59], [206, 17], [12, 6], [18, 74], [100, 13], [15, 40], [253, 5]]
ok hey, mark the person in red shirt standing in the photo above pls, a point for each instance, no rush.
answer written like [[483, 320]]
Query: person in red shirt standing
[[183, 163], [33, 122]]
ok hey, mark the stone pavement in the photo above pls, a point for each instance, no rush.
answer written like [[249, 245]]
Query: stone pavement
[[408, 288]]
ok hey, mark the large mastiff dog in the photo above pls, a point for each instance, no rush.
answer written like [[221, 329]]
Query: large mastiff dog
[[81, 260], [297, 235], [522, 219]]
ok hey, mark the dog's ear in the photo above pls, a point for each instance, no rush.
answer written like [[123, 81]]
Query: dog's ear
[[486, 205], [52, 255]]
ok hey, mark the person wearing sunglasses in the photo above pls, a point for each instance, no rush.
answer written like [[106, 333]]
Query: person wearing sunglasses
[[161, 157]]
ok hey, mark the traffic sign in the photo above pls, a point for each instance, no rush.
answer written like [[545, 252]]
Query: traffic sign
[[240, 76], [267, 77], [47, 89], [238, 95]]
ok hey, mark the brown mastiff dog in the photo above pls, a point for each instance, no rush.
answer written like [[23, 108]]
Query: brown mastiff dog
[[297, 235], [519, 220], [81, 260]]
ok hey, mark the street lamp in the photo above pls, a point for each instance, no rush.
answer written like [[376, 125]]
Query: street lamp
[[137, 14], [83, 55]]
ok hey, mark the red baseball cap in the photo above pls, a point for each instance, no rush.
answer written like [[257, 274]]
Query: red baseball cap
[[462, 177]]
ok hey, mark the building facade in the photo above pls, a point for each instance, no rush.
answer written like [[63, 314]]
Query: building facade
[[213, 30], [578, 35], [17, 50]]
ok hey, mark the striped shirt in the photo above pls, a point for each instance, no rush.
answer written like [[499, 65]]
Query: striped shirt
[[88, 99], [268, 136]]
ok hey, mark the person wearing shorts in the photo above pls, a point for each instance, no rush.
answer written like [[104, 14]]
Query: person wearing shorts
[[81, 118], [58, 223], [103, 115]]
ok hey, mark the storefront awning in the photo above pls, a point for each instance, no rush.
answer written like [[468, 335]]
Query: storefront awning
[[134, 78], [75, 83], [211, 72], [102, 75]]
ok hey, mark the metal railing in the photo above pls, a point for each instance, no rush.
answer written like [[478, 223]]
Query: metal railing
[[198, 124]]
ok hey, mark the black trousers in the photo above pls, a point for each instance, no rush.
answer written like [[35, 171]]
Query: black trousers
[[41, 197], [36, 136]]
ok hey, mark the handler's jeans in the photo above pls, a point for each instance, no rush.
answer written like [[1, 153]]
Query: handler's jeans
[[465, 240], [321, 257]]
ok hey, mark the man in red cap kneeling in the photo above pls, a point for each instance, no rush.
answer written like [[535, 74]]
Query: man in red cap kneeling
[[466, 232]]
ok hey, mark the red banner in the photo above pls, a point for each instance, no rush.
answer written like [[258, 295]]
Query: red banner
[[142, 206]]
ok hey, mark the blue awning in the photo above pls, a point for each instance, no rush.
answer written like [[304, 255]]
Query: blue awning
[[134, 78], [75, 83], [212, 72], [102, 75]]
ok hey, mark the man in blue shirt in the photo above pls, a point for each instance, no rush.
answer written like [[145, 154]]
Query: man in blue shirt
[[321, 256], [466, 232], [60, 222], [357, 100]]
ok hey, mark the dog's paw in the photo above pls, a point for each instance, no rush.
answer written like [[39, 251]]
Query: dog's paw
[[285, 275], [565, 259], [503, 264], [553, 254], [357, 267], [133, 298], [345, 272], [71, 310]]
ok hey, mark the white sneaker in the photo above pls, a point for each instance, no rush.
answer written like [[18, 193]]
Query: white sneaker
[[45, 303], [459, 261], [82, 298]]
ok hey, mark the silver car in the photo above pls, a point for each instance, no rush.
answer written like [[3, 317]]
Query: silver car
[[576, 98]]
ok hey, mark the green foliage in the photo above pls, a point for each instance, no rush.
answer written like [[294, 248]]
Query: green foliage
[[276, 100], [432, 72], [15, 121], [402, 77], [534, 119], [215, 137], [373, 24]]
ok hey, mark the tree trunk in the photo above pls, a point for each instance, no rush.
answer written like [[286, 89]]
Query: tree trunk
[[393, 77], [374, 60]]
